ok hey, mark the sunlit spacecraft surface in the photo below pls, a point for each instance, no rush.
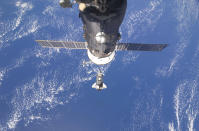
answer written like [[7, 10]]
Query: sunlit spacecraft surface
[[101, 22]]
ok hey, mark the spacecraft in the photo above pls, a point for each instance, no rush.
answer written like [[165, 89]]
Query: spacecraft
[[101, 22]]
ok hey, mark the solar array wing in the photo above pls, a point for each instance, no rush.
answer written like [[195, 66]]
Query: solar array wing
[[62, 44], [140, 47]]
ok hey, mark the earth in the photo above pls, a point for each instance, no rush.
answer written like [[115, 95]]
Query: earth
[[50, 89]]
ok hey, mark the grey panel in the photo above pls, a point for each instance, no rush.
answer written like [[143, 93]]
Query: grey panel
[[140, 47], [62, 44]]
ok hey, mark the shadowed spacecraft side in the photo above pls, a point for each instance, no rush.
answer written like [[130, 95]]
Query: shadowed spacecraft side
[[101, 21]]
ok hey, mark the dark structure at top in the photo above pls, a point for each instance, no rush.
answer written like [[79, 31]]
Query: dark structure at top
[[101, 22]]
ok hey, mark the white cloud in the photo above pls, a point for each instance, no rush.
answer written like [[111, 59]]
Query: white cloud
[[187, 12]]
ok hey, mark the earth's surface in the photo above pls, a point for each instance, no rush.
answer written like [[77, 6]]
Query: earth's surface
[[50, 90]]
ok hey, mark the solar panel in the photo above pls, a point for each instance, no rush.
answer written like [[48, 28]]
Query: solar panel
[[62, 44], [140, 47]]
